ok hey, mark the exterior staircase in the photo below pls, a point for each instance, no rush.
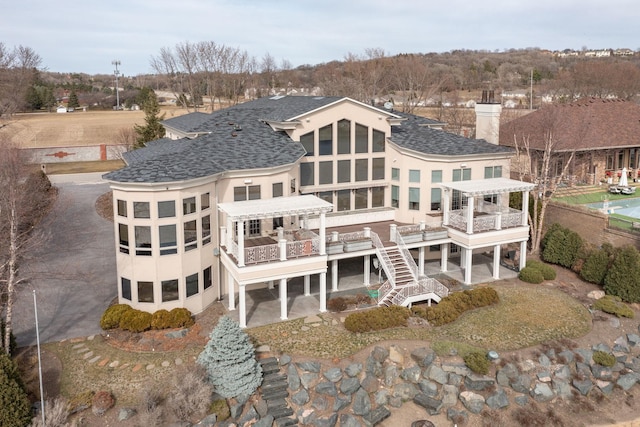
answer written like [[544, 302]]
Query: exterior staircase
[[403, 285]]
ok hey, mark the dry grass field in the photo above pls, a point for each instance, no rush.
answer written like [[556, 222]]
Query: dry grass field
[[73, 129]]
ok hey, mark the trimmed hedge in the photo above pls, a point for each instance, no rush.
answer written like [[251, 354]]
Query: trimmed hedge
[[112, 316], [548, 272], [596, 264], [561, 246], [136, 321], [452, 306], [531, 275], [124, 317], [377, 319]]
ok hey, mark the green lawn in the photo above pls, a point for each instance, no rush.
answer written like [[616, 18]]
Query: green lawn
[[599, 196]]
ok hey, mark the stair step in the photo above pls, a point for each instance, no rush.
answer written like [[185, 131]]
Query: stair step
[[276, 403], [281, 412], [275, 394], [276, 376], [268, 360], [284, 422]]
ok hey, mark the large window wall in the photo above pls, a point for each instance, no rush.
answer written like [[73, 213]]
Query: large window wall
[[345, 165], [166, 229]]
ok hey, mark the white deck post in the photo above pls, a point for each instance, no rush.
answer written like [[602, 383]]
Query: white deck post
[[283, 249], [496, 262], [523, 254], [444, 256], [421, 261], [242, 315], [240, 243], [283, 299], [323, 292], [232, 291], [468, 262], [334, 275], [445, 206], [525, 207], [367, 270], [470, 207], [307, 285], [392, 232], [229, 234], [323, 233]]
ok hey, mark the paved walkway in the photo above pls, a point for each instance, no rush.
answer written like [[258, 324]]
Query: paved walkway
[[73, 271]]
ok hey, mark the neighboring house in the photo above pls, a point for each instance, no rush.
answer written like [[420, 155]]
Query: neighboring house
[[273, 189], [604, 134]]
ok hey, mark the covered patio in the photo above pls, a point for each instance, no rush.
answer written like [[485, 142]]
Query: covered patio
[[278, 262]]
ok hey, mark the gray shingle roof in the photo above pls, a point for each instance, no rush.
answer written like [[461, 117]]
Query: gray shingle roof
[[414, 135], [238, 139]]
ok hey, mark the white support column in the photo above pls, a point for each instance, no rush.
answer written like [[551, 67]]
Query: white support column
[[307, 285], [334, 275], [229, 234], [367, 270], [468, 262], [421, 261], [470, 207], [270, 284], [305, 221], [240, 243], [323, 292], [525, 207], [463, 257], [242, 314], [445, 206], [523, 254], [323, 232], [444, 256], [283, 299], [496, 262], [231, 290], [282, 243], [392, 232]]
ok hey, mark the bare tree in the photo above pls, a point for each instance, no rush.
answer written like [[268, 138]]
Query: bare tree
[[23, 201], [18, 71], [544, 159]]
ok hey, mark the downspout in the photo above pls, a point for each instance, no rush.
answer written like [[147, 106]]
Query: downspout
[[217, 225]]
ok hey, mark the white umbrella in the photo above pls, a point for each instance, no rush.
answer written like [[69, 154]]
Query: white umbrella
[[623, 178]]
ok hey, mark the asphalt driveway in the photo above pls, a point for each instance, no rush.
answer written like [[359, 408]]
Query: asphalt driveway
[[73, 271]]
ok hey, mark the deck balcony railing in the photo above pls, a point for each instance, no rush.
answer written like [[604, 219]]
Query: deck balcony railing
[[486, 220]]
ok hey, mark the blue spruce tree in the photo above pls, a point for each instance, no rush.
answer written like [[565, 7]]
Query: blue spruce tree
[[230, 362]]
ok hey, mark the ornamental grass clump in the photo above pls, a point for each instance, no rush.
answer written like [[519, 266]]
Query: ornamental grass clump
[[452, 306], [614, 305], [604, 359]]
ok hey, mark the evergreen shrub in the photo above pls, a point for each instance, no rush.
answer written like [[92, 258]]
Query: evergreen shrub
[[452, 306], [15, 408], [561, 246], [623, 277], [377, 319], [136, 321], [111, 317], [220, 407], [161, 319], [531, 275], [595, 266], [230, 362], [181, 318], [477, 362], [548, 272], [614, 305], [603, 358]]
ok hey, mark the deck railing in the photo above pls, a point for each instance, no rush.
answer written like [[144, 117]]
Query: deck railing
[[487, 221]]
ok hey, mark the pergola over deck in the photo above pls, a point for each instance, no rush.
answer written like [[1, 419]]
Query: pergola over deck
[[241, 211], [471, 190], [483, 223]]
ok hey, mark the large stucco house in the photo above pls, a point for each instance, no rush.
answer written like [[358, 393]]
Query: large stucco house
[[602, 134], [286, 187]]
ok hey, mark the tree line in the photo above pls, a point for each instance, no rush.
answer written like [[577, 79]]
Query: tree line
[[207, 73]]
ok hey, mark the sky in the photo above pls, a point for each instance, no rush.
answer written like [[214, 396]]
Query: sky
[[87, 36]]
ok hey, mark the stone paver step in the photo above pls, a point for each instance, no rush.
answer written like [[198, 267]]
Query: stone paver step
[[281, 412], [276, 403], [376, 416], [268, 360], [275, 394], [274, 377], [284, 422], [270, 369], [278, 385]]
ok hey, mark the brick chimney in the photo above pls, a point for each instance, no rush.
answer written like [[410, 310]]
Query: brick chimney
[[488, 118]]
